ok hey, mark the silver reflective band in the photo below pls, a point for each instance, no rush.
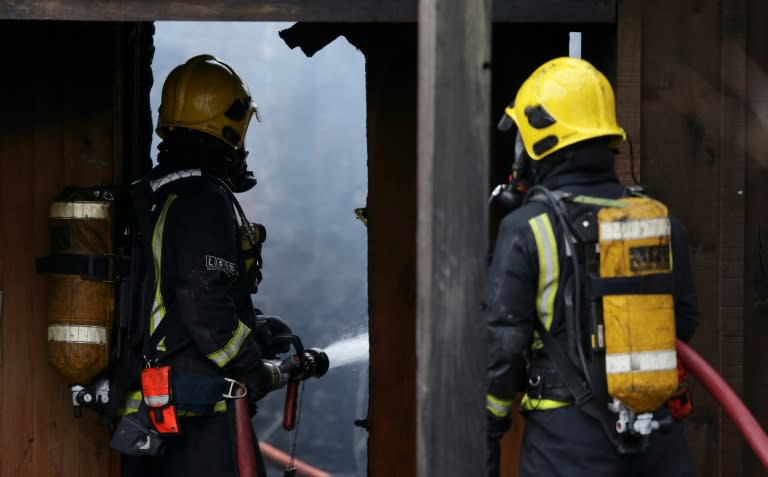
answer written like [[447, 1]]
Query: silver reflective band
[[174, 176], [155, 401], [77, 334], [634, 229], [79, 210], [497, 407], [665, 360]]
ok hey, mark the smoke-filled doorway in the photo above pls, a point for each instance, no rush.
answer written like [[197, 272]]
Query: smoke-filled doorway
[[309, 156]]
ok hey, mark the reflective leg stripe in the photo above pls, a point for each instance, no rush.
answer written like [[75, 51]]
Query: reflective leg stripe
[[549, 271], [497, 407], [619, 363], [158, 307], [230, 350]]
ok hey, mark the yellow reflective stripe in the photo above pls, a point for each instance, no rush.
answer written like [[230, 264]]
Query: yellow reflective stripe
[[161, 345], [531, 404], [549, 271], [220, 406], [497, 407], [158, 307], [132, 401], [230, 350]]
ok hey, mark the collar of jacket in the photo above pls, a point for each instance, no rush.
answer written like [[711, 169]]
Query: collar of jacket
[[159, 182], [588, 163]]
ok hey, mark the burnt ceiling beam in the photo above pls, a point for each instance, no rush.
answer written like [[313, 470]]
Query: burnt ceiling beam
[[294, 10]]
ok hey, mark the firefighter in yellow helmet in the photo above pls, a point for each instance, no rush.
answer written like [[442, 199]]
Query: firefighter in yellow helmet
[[192, 323], [551, 302]]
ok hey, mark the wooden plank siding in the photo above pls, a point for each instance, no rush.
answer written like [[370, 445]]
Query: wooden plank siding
[[695, 76], [681, 166], [628, 91], [454, 95], [731, 213], [294, 10], [390, 74], [58, 129], [755, 257]]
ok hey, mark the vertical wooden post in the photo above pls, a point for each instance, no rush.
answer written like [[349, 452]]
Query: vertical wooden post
[[629, 67], [454, 91], [390, 73]]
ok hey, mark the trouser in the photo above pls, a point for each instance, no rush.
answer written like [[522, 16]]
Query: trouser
[[206, 448], [566, 442]]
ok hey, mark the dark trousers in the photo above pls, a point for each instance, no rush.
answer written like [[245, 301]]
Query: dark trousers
[[205, 448], [567, 443]]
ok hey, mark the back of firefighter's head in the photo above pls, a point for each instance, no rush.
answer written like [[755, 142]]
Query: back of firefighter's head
[[204, 100], [566, 101]]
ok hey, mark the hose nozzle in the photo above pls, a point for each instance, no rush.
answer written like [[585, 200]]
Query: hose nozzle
[[314, 364]]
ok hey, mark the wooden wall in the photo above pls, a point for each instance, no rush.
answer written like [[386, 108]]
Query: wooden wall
[[756, 218], [59, 127], [390, 72], [692, 89]]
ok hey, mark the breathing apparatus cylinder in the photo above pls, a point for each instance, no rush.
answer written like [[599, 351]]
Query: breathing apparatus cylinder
[[81, 290], [639, 329]]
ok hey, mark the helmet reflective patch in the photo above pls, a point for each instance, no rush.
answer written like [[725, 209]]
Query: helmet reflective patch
[[538, 117], [224, 266]]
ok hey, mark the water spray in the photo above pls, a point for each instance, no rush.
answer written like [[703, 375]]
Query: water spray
[[348, 351]]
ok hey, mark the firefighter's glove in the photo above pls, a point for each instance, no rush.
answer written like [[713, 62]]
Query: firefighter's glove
[[259, 382], [497, 426], [277, 335]]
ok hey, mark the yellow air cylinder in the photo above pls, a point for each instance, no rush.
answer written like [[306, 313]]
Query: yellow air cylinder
[[641, 362], [80, 311]]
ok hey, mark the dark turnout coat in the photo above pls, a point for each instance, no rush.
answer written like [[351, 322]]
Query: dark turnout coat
[[520, 290]]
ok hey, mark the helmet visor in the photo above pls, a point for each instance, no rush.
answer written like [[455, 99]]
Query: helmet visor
[[506, 122]]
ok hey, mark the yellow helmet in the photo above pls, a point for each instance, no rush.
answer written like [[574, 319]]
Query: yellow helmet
[[206, 95], [565, 101]]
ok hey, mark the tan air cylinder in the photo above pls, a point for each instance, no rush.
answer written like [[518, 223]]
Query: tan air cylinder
[[641, 363], [80, 311]]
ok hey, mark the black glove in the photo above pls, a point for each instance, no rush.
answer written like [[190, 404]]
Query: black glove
[[497, 426], [259, 384], [273, 335]]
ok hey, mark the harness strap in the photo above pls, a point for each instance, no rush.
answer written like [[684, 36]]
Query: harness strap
[[584, 399], [89, 267]]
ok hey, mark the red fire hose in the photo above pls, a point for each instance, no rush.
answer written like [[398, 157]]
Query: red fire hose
[[276, 455], [727, 399]]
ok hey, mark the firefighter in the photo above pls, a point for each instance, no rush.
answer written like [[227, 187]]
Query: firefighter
[[197, 324], [567, 137]]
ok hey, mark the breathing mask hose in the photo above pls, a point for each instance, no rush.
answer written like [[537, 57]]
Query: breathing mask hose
[[728, 400]]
